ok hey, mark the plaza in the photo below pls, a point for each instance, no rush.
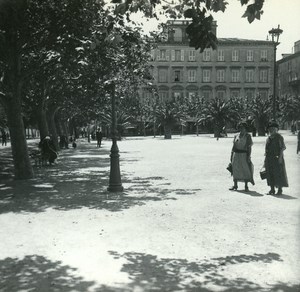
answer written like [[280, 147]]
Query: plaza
[[176, 226]]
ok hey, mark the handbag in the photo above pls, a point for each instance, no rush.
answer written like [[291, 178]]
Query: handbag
[[263, 173], [229, 167]]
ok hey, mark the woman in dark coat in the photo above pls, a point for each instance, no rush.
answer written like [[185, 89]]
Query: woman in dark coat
[[274, 160], [48, 149]]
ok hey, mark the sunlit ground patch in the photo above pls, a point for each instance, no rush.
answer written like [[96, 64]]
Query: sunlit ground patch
[[46, 185], [5, 188], [87, 156], [89, 170]]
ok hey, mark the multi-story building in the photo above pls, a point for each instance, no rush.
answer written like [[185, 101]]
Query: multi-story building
[[239, 67], [289, 73]]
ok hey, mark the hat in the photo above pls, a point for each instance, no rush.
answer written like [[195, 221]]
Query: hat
[[243, 124], [273, 124], [47, 137]]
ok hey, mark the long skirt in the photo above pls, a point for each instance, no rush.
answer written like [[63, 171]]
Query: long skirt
[[276, 173], [242, 169]]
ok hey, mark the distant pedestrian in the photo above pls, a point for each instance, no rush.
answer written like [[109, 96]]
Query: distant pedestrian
[[298, 144], [274, 160], [242, 167], [4, 138], [253, 126], [99, 137]]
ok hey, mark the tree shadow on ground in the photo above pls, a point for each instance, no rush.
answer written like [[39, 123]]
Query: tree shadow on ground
[[150, 273], [80, 179], [146, 272], [37, 273]]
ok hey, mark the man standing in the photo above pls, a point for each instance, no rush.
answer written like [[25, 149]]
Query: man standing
[[99, 137]]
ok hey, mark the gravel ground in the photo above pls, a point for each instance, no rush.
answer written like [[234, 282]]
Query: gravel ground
[[176, 226]]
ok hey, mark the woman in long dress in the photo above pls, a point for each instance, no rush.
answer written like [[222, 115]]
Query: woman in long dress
[[242, 167], [274, 160]]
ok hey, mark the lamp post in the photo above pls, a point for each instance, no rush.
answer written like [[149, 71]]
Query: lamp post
[[275, 33], [115, 184]]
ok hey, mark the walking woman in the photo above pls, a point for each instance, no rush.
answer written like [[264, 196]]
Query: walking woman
[[242, 167], [274, 161]]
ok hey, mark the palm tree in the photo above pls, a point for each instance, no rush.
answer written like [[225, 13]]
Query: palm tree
[[218, 113], [169, 114], [260, 109], [290, 108]]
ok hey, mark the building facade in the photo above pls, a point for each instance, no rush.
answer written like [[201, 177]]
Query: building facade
[[289, 73], [238, 67]]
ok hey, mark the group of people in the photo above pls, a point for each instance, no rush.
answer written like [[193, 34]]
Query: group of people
[[242, 167]]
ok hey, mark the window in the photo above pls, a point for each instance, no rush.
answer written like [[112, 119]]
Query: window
[[250, 75], [264, 55], [206, 93], [249, 93], [152, 55], [263, 93], [235, 75], [191, 75], [163, 95], [206, 55], [191, 96], [177, 55], [221, 55], [162, 54], [220, 75], [176, 95], [162, 75], [221, 94], [250, 55], [206, 75], [192, 55], [234, 92], [235, 56], [177, 75], [177, 34], [263, 75]]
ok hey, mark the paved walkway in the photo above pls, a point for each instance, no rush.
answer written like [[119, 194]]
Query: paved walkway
[[176, 227]]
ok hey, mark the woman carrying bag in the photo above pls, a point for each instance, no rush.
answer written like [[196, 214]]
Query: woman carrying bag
[[274, 161], [242, 167]]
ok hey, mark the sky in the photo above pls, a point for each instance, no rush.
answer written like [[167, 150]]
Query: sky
[[282, 12]]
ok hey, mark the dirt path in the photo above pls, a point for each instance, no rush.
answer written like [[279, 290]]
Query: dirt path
[[176, 227]]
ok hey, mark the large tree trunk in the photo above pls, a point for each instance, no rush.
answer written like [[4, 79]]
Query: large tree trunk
[[22, 166], [217, 131], [168, 132], [261, 130], [52, 128], [42, 122]]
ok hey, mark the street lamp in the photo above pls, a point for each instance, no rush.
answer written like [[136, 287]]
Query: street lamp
[[275, 33], [115, 184]]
